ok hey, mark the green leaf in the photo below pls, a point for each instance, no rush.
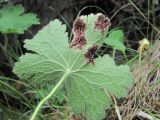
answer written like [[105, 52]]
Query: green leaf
[[87, 87], [13, 19], [116, 40]]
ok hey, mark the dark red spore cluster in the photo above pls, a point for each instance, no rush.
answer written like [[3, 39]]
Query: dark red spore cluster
[[78, 42], [102, 23], [79, 39], [79, 27], [89, 55]]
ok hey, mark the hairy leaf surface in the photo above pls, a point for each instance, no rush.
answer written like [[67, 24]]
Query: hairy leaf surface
[[87, 87]]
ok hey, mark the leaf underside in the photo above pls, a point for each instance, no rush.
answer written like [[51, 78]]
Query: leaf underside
[[88, 86]]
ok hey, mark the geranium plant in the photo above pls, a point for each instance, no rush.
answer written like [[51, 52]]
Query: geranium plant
[[71, 70]]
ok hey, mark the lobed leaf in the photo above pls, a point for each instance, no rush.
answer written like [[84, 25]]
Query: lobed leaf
[[88, 87], [13, 19]]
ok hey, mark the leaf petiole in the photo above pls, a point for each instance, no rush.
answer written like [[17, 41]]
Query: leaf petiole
[[114, 52], [49, 95]]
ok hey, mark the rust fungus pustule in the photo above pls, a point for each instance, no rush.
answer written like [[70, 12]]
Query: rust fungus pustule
[[79, 40], [102, 22], [79, 27], [89, 55]]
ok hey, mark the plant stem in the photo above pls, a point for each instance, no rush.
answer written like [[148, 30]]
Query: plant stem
[[4, 47], [124, 54], [139, 61], [49, 95], [5, 41], [117, 109], [114, 52], [18, 45]]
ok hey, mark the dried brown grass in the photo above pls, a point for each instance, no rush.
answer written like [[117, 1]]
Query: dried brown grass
[[145, 94]]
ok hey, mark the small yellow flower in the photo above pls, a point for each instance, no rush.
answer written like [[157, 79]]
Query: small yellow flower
[[143, 45]]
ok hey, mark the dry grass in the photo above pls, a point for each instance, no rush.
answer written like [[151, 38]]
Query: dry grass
[[145, 94]]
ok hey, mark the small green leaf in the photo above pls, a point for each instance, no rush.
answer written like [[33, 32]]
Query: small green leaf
[[87, 86], [116, 40], [13, 19]]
